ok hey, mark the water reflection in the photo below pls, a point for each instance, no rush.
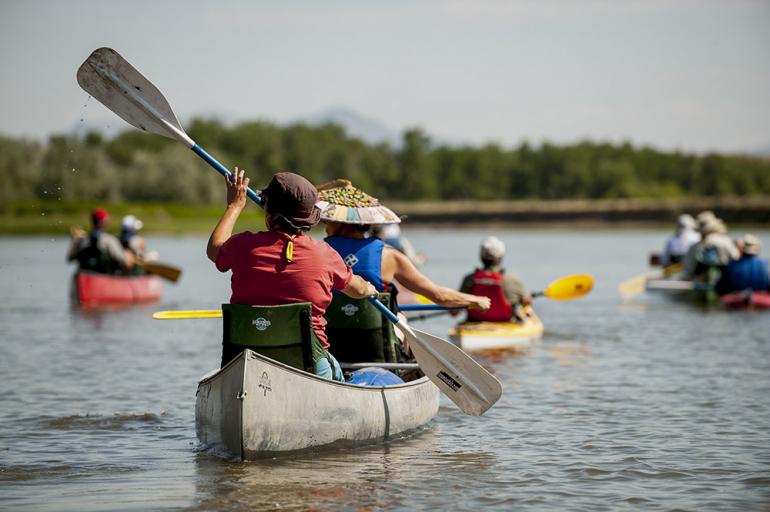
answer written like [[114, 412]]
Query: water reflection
[[364, 478]]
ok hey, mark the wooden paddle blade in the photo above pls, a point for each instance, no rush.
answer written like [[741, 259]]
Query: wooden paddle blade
[[187, 315], [109, 78], [570, 287], [456, 374], [637, 284], [168, 272]]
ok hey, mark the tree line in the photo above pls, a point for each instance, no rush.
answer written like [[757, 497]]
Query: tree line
[[135, 166]]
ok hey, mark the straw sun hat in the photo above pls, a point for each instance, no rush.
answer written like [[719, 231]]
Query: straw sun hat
[[340, 201]]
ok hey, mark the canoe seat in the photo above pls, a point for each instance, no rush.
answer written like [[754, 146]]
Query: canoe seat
[[283, 333], [358, 332]]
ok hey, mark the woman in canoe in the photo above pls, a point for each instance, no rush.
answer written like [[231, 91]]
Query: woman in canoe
[[348, 214], [283, 265]]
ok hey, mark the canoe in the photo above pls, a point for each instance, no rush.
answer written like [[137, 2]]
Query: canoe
[[498, 335], [256, 407], [94, 290]]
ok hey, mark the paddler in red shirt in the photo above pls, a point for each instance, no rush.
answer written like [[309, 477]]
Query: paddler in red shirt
[[284, 264]]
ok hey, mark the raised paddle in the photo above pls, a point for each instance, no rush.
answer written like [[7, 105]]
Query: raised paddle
[[109, 78]]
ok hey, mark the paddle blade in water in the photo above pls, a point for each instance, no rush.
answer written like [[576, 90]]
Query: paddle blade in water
[[570, 287], [456, 374], [186, 315], [109, 78]]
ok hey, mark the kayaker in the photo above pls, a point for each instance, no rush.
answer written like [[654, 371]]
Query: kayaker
[[505, 290], [714, 251], [284, 264], [349, 214], [749, 272], [99, 251], [677, 245]]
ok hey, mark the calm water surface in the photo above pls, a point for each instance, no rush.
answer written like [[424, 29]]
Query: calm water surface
[[648, 405]]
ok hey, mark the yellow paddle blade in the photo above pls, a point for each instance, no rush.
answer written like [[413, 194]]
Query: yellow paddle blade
[[185, 315], [570, 287], [422, 299]]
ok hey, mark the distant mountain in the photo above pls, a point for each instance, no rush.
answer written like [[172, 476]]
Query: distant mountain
[[355, 124]]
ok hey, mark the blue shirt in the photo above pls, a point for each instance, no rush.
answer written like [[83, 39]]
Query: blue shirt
[[749, 272], [362, 255]]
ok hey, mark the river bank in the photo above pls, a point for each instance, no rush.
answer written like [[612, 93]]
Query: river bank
[[56, 217]]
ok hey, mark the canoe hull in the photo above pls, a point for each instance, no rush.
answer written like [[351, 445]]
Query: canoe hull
[[256, 407], [94, 290], [480, 336], [746, 300]]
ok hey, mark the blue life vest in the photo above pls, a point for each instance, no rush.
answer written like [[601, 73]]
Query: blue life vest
[[747, 273], [362, 255]]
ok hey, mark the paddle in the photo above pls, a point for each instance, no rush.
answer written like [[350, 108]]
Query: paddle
[[677, 284], [164, 270], [637, 284], [109, 78]]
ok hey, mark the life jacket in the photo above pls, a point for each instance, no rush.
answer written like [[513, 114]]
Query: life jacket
[[748, 273], [363, 256], [92, 258], [490, 284]]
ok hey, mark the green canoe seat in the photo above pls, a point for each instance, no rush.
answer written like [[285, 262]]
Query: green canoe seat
[[359, 332], [283, 333]]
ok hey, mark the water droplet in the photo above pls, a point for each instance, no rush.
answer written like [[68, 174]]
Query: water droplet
[[42, 213]]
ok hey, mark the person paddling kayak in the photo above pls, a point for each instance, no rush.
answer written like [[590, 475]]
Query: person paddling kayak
[[505, 290], [283, 265]]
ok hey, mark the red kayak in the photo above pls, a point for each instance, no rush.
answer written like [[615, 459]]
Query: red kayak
[[746, 300], [94, 290]]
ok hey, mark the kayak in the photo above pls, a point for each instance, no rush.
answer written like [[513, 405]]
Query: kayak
[[498, 335], [746, 300], [95, 290], [257, 407]]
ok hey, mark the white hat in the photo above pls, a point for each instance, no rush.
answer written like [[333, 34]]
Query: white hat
[[685, 221], [492, 248], [132, 223], [751, 244]]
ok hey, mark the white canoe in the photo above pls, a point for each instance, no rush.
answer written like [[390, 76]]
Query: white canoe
[[475, 336], [255, 407]]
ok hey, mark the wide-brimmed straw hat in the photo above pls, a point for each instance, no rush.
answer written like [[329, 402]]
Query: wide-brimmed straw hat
[[340, 201]]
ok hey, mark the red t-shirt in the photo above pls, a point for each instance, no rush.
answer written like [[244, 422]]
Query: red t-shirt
[[263, 277]]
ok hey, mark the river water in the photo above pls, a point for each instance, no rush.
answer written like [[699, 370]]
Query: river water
[[649, 404]]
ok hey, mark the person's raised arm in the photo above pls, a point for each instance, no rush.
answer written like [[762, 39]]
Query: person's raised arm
[[403, 270], [236, 201]]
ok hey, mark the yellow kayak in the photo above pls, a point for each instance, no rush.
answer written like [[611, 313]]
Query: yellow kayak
[[498, 335]]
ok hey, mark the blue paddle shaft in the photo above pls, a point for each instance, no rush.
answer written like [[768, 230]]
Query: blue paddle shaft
[[428, 307], [221, 169], [384, 310]]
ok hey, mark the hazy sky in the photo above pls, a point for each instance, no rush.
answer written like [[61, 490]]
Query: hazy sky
[[693, 75]]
